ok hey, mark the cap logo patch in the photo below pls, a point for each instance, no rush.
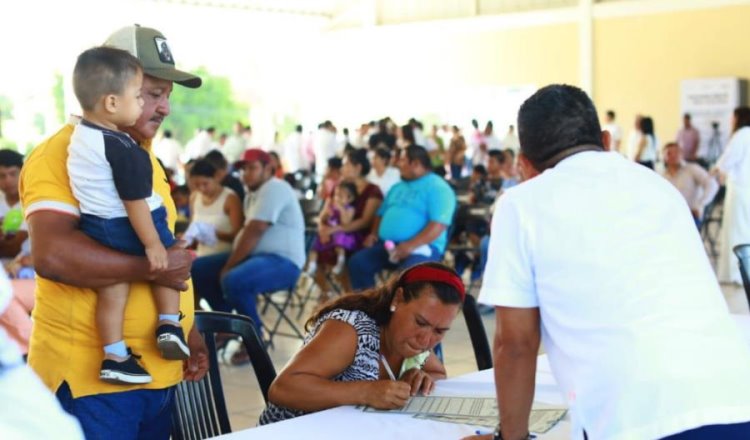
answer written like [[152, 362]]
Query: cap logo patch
[[162, 48]]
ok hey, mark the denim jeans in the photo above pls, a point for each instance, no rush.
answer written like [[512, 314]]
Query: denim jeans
[[734, 431], [118, 233], [365, 264], [128, 415], [258, 274]]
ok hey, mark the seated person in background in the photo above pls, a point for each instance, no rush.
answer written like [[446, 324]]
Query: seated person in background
[[355, 169], [17, 316], [417, 212], [331, 178], [356, 343], [508, 170], [477, 183], [694, 183], [222, 173], [268, 253], [216, 211], [14, 231], [383, 175], [278, 169], [338, 213], [181, 198], [110, 175]]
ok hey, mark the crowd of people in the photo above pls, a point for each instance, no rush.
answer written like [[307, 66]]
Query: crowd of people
[[113, 308]]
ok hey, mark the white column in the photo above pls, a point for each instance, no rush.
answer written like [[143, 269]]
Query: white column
[[586, 45]]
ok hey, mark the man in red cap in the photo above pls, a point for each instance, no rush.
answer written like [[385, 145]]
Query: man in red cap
[[268, 253]]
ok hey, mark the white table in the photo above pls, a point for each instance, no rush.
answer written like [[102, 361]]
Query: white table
[[347, 422]]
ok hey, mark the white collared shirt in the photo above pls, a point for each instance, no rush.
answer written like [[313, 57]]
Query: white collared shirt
[[637, 330]]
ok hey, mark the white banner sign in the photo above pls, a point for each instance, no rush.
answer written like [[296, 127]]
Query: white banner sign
[[710, 102]]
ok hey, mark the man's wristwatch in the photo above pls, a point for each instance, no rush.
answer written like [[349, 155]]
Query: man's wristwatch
[[498, 435]]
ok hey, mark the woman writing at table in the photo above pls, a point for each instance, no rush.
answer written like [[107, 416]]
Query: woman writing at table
[[356, 342]]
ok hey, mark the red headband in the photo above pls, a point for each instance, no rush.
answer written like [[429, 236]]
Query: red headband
[[434, 275]]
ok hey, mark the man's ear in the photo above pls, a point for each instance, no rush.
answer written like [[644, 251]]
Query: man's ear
[[110, 103], [526, 169], [606, 139]]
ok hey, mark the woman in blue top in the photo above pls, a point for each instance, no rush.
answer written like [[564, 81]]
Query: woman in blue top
[[356, 342]]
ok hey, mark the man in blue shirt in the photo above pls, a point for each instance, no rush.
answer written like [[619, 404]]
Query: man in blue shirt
[[414, 216]]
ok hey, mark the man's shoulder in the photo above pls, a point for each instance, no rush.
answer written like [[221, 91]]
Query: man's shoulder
[[54, 147]]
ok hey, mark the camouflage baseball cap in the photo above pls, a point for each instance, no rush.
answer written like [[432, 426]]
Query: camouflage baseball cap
[[152, 49]]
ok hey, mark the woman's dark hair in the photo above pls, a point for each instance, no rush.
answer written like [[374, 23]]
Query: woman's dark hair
[[647, 126], [376, 302], [383, 153], [334, 163], [741, 117], [359, 157], [203, 168], [349, 187], [554, 119]]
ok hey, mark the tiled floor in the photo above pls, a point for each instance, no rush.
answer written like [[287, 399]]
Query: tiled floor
[[245, 402]]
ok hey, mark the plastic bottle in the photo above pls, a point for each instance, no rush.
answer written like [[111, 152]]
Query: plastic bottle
[[390, 246]]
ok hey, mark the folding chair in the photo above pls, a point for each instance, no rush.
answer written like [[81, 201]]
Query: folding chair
[[282, 308], [742, 251], [712, 215], [477, 333], [200, 408]]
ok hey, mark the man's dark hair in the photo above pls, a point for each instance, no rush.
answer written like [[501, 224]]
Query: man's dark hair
[[217, 159], [102, 71], [10, 158], [554, 119], [334, 163], [383, 153], [418, 153], [741, 117], [687, 116], [474, 123], [211, 130], [407, 132], [611, 114], [359, 157], [167, 134], [203, 168], [497, 155], [298, 129], [480, 169]]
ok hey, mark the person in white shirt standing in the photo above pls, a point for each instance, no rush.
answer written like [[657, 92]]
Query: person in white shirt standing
[[600, 258], [734, 164], [693, 182], [615, 132]]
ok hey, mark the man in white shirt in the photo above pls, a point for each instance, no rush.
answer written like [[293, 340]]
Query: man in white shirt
[[634, 139], [694, 183], [168, 151], [615, 132], [235, 145], [292, 155], [511, 140], [600, 258], [324, 146]]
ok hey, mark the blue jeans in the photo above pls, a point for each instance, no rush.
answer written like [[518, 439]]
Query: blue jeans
[[117, 233], [734, 431], [258, 274], [129, 415], [365, 264]]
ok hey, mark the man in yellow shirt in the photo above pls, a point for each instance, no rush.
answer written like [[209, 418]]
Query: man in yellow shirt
[[65, 351]]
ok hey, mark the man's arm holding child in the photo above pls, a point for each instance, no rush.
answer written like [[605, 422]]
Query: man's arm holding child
[[64, 254]]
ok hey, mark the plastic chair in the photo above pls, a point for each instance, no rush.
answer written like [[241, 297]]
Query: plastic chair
[[742, 251], [477, 333], [200, 408]]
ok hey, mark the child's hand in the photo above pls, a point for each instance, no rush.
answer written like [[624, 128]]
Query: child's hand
[[157, 257]]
